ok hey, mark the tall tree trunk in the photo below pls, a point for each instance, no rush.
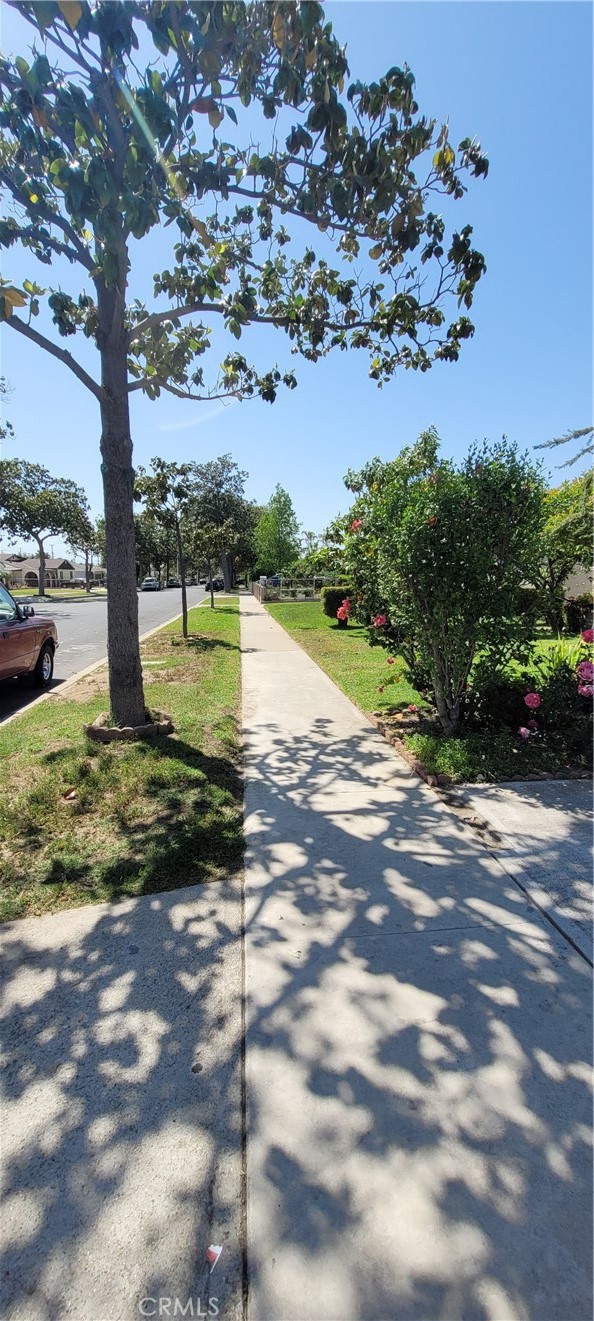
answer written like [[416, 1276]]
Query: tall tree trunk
[[226, 570], [123, 647], [41, 574], [211, 586], [182, 573], [87, 571]]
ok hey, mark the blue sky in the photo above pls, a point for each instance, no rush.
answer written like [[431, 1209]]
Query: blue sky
[[519, 77]]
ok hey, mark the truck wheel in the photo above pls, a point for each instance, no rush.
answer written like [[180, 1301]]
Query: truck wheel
[[44, 669]]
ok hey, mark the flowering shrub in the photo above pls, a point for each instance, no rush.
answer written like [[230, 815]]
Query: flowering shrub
[[344, 611], [441, 557], [533, 700], [588, 635]]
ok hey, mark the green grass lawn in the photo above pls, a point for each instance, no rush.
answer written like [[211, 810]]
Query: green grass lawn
[[360, 671], [145, 816]]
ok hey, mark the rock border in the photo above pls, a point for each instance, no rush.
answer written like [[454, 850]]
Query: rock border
[[443, 781], [101, 732]]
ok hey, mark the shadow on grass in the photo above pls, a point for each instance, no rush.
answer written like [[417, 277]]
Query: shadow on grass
[[190, 832]]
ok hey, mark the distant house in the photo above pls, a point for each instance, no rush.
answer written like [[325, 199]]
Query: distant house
[[97, 574], [25, 573]]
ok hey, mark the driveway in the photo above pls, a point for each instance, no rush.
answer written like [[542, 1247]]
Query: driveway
[[546, 833]]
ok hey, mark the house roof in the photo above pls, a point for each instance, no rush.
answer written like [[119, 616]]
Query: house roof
[[32, 565]]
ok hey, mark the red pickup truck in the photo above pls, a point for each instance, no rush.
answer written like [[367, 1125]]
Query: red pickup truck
[[27, 642]]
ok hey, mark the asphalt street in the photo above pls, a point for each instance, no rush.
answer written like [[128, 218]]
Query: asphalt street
[[82, 635]]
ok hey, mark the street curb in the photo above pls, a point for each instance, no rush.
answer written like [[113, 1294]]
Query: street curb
[[82, 674]]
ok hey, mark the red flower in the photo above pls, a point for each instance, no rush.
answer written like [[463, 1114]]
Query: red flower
[[533, 700], [356, 524], [379, 621], [588, 635]]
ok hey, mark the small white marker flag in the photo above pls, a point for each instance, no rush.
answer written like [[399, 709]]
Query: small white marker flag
[[212, 1255]]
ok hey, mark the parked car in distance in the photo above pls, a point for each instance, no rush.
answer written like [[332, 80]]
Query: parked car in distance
[[274, 581], [173, 582], [150, 585], [27, 642], [217, 585]]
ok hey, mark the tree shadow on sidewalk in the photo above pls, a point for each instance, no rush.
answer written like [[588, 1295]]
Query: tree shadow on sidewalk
[[122, 1112], [418, 1055]]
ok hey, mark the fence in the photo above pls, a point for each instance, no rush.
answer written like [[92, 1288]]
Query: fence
[[291, 589]]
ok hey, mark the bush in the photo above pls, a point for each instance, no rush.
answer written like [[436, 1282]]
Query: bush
[[529, 602], [494, 700], [332, 598], [579, 613]]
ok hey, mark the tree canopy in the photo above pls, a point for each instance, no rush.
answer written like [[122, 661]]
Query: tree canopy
[[277, 533], [35, 505]]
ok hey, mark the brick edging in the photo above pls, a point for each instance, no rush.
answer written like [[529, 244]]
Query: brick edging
[[443, 781]]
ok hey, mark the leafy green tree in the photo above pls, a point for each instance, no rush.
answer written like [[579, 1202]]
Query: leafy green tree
[[35, 505], [570, 438], [567, 541], [168, 493], [84, 541], [100, 144], [221, 515], [438, 555], [277, 533]]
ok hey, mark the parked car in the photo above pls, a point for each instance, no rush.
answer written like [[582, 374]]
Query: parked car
[[173, 582], [274, 581], [150, 585], [27, 642], [217, 585]]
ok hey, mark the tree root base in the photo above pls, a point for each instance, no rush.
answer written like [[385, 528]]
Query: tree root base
[[102, 732]]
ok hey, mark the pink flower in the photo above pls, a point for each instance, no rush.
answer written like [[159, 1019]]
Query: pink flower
[[356, 524], [379, 621], [412, 707], [586, 671], [533, 700], [533, 724], [523, 732], [389, 660], [586, 689], [588, 635]]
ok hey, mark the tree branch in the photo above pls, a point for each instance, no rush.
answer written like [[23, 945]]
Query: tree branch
[[187, 394], [52, 218], [156, 318], [61, 354]]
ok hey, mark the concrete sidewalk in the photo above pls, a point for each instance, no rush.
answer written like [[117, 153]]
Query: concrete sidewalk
[[418, 1039], [121, 1112]]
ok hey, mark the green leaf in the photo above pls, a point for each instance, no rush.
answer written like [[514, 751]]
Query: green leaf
[[376, 252]]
